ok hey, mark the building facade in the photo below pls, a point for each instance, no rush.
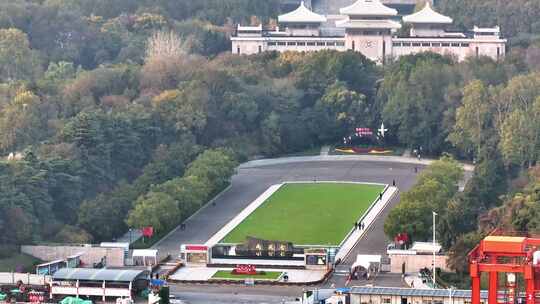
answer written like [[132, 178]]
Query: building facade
[[369, 27]]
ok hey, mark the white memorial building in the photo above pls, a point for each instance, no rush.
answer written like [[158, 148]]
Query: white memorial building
[[369, 27]]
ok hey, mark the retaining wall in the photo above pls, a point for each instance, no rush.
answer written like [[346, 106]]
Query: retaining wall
[[90, 255]]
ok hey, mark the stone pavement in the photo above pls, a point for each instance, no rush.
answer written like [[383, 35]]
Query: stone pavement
[[205, 273]]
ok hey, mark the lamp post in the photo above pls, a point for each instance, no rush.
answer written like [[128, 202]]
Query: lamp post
[[433, 270], [130, 236]]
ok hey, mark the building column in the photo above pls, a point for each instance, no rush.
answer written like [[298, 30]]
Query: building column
[[529, 285], [77, 285], [493, 283], [130, 286], [493, 287], [104, 288], [475, 280]]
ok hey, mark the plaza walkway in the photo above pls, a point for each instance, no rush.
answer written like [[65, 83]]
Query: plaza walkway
[[198, 274]]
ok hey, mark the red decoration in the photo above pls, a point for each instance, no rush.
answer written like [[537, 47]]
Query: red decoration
[[196, 247], [148, 231], [245, 269], [36, 297]]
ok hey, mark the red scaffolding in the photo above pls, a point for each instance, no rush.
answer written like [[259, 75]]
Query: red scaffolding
[[505, 254]]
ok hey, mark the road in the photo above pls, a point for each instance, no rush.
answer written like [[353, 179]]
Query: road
[[215, 294]]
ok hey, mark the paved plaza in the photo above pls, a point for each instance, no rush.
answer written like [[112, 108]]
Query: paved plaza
[[205, 273]]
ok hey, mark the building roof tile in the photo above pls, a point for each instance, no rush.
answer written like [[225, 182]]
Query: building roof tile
[[301, 15], [427, 15], [368, 8], [368, 24]]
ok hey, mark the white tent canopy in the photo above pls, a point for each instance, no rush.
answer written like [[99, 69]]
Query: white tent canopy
[[146, 257], [365, 260]]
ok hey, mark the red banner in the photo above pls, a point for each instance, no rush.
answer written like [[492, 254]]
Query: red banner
[[196, 247], [148, 231]]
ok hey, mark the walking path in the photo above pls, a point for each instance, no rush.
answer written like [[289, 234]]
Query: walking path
[[367, 220], [372, 158]]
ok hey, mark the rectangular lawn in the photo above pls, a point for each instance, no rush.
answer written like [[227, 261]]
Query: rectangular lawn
[[307, 214], [227, 275]]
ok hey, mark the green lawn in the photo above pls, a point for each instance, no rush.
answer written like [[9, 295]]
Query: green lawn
[[227, 275], [23, 261], [307, 214]]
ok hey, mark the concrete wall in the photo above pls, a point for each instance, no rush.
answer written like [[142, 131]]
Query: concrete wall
[[374, 46], [248, 47], [11, 278], [458, 48], [371, 46], [91, 255], [413, 263]]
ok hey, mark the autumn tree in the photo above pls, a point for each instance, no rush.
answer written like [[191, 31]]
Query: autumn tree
[[17, 60], [473, 118]]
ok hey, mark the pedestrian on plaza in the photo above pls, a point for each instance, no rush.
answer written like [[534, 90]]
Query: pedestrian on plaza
[[363, 226], [415, 169], [394, 182], [380, 196]]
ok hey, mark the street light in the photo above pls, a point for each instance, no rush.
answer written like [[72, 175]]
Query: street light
[[130, 236], [434, 278]]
